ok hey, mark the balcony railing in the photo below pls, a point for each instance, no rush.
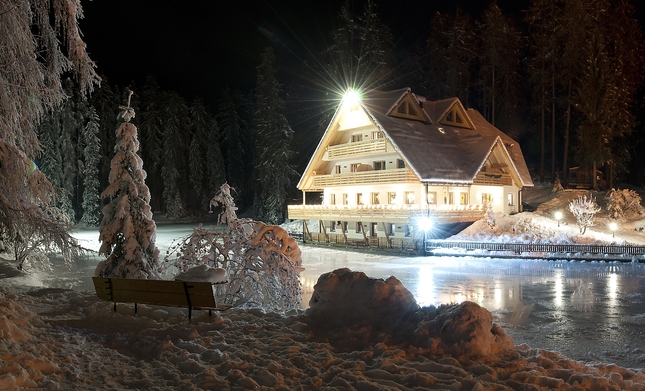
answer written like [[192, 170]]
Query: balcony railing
[[397, 175], [402, 214], [356, 148], [493, 178]]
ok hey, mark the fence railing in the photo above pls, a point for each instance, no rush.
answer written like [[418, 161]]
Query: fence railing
[[538, 247]]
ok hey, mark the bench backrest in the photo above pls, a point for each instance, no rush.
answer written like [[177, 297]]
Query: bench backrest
[[155, 292]]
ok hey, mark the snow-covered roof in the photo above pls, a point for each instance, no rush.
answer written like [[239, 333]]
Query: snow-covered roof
[[437, 152]]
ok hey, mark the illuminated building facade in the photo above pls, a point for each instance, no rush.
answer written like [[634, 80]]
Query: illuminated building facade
[[390, 159]]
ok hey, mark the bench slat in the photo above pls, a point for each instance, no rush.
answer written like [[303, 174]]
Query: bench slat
[[155, 292]]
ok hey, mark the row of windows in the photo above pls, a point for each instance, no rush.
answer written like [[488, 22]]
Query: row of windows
[[359, 137], [376, 165], [409, 198]]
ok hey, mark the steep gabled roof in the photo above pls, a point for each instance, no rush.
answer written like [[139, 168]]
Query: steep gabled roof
[[434, 151]]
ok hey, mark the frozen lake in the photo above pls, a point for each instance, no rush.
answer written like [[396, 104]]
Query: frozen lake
[[590, 311]]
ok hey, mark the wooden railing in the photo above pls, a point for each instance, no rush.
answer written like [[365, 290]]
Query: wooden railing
[[402, 214], [492, 178], [397, 175], [538, 247], [356, 148]]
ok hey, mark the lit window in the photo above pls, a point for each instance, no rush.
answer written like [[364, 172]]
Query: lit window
[[432, 197], [359, 198], [332, 199], [448, 198], [380, 165], [375, 199], [463, 198], [357, 138], [409, 197], [377, 135], [337, 169], [345, 199], [510, 199], [354, 167], [391, 197], [487, 198]]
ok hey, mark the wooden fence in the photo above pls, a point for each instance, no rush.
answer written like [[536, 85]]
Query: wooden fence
[[538, 247]]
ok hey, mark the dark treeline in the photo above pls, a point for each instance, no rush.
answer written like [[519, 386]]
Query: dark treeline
[[179, 144], [562, 77]]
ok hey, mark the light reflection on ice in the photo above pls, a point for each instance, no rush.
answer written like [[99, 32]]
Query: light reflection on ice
[[578, 308]]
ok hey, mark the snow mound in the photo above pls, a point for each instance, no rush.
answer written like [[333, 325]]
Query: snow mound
[[203, 273], [350, 309]]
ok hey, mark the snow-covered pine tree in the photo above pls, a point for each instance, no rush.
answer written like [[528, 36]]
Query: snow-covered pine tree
[[273, 144], [92, 160], [215, 168], [151, 129], [199, 120], [175, 127], [233, 131], [127, 231]]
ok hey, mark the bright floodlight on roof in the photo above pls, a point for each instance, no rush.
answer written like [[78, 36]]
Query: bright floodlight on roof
[[351, 97]]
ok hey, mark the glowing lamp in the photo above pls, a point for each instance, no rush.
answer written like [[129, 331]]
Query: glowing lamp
[[351, 97], [613, 227], [558, 216], [425, 224]]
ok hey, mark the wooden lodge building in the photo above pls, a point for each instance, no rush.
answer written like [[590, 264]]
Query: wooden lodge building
[[391, 159]]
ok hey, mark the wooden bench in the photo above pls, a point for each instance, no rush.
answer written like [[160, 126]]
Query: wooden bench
[[189, 294]]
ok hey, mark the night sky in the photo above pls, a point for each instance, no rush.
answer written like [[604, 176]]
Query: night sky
[[197, 47]]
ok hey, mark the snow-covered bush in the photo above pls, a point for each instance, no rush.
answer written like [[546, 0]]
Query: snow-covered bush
[[624, 204], [584, 210], [557, 184], [489, 217], [262, 261]]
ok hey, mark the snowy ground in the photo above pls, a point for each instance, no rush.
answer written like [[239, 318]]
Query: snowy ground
[[359, 334]]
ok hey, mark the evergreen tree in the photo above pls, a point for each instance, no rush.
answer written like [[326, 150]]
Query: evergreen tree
[[103, 100], [215, 167], [92, 160], [151, 120], [273, 138], [173, 170], [127, 231], [362, 50], [233, 132], [199, 122], [499, 68], [446, 60]]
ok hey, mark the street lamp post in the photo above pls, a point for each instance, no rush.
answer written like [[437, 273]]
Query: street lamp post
[[612, 227], [558, 216]]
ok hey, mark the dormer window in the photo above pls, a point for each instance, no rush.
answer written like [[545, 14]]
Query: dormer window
[[456, 117], [407, 109]]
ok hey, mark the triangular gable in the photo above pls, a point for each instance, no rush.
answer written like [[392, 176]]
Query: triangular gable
[[408, 108], [455, 115], [500, 156]]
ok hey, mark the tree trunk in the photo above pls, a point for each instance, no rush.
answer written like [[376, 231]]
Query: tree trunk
[[553, 123], [565, 155], [542, 129], [594, 181]]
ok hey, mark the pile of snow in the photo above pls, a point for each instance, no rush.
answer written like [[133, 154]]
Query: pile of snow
[[203, 273], [295, 226], [354, 310], [69, 340], [533, 228]]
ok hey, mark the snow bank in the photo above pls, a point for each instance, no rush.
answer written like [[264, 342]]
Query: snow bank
[[69, 340], [350, 309]]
